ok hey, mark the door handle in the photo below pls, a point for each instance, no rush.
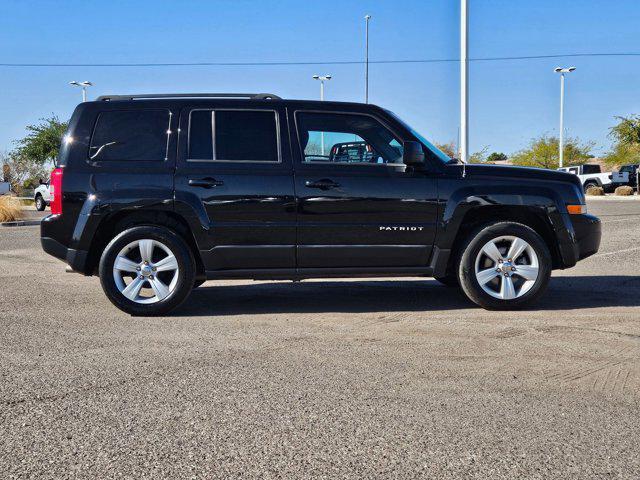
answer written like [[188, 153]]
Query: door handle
[[206, 182], [324, 184]]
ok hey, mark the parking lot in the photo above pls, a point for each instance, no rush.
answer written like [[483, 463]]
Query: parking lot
[[379, 378]]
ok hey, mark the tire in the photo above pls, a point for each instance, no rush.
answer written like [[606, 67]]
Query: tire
[[521, 280], [450, 281], [156, 287], [590, 184], [40, 203]]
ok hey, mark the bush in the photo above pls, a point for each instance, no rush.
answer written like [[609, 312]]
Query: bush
[[10, 209], [595, 191], [624, 191]]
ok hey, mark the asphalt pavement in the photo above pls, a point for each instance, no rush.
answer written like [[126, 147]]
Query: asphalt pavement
[[374, 378]]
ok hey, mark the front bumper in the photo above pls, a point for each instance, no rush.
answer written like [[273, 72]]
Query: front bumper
[[588, 232]]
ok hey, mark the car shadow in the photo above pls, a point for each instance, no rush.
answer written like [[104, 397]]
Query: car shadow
[[564, 293]]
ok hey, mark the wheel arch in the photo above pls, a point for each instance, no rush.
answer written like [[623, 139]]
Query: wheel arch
[[117, 222]]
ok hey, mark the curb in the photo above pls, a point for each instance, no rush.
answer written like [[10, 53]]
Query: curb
[[20, 223], [613, 198]]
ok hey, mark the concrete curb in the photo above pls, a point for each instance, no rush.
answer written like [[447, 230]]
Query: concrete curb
[[613, 198], [20, 223]]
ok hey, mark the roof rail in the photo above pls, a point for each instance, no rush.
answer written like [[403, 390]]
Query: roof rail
[[252, 96]]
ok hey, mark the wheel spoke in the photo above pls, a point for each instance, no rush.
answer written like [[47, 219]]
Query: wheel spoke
[[167, 263], [528, 272], [132, 290], [159, 288], [507, 289], [485, 276], [124, 264], [517, 248], [491, 251], [146, 250]]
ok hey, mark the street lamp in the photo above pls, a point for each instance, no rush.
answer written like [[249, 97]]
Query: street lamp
[[84, 86], [322, 79], [366, 59], [562, 72]]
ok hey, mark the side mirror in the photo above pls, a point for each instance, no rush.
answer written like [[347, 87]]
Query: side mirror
[[413, 154]]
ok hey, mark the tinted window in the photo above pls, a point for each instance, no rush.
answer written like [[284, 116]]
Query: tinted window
[[246, 135], [136, 135], [587, 169], [201, 135], [346, 138]]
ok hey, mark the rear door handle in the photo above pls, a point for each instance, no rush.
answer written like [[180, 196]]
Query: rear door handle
[[324, 184], [206, 182]]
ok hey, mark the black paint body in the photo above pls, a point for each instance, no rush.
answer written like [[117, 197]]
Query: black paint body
[[264, 220]]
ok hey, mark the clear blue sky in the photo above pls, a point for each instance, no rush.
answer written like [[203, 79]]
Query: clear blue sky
[[511, 101]]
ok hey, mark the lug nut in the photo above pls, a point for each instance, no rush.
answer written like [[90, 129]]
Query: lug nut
[[153, 268], [138, 268], [513, 269], [141, 277], [506, 274], [150, 277]]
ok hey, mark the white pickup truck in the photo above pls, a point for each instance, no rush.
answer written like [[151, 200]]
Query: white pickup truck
[[42, 195], [591, 176]]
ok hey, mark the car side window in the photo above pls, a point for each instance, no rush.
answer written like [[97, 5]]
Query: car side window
[[342, 138], [234, 135], [131, 135]]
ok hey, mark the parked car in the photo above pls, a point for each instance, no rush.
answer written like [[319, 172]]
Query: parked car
[[632, 171], [42, 195], [157, 193], [5, 187], [591, 176]]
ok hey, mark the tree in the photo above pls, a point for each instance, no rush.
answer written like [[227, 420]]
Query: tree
[[626, 147], [22, 172], [479, 156], [42, 142], [496, 157], [542, 152], [627, 131], [447, 148]]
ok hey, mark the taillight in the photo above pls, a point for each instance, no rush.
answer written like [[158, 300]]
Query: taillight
[[56, 191]]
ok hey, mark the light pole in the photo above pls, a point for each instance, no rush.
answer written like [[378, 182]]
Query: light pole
[[322, 80], [366, 59], [562, 71], [464, 81], [84, 86]]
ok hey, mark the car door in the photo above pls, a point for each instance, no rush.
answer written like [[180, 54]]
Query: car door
[[358, 204], [235, 166]]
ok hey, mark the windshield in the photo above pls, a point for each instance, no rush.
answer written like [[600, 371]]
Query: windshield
[[437, 153]]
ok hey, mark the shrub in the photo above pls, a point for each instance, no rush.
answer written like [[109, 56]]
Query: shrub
[[595, 191], [10, 209], [624, 191]]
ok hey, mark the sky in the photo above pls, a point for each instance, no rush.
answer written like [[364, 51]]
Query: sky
[[511, 101]]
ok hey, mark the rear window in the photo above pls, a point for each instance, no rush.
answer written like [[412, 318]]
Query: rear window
[[234, 135], [131, 135]]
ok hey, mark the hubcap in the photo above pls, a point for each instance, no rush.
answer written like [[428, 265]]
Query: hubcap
[[507, 267], [146, 271]]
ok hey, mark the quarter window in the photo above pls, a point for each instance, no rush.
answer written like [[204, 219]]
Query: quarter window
[[346, 138], [131, 135], [234, 135]]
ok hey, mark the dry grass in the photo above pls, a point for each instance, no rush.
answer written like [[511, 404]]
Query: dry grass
[[595, 191], [10, 209], [624, 191]]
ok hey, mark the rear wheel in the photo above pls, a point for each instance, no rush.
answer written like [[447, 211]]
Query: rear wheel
[[40, 203], [147, 271], [590, 184], [505, 265]]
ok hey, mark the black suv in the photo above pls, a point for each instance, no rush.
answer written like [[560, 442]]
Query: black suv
[[158, 193]]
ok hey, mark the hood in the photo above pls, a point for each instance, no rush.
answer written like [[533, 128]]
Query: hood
[[518, 172]]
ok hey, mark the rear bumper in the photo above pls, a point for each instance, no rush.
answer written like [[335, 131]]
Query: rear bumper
[[76, 259]]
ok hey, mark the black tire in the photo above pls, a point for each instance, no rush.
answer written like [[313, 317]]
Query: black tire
[[450, 281], [590, 184], [477, 240], [40, 203], [175, 244]]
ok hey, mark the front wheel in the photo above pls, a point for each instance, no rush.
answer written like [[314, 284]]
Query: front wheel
[[40, 203], [147, 271], [505, 265]]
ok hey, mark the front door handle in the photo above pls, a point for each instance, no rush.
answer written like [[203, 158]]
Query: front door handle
[[206, 182], [324, 184]]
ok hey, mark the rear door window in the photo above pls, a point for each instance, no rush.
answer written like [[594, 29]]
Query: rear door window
[[234, 135], [131, 135]]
